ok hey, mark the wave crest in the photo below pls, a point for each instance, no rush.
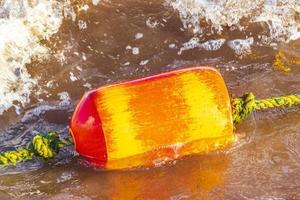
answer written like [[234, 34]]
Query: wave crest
[[282, 17], [23, 24]]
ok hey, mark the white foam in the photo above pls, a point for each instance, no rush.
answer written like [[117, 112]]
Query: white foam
[[87, 85], [241, 47], [191, 44], [151, 23], [144, 62], [95, 2], [213, 45], [280, 15], [83, 7], [22, 25], [172, 46], [73, 77], [135, 50], [139, 36], [82, 24], [210, 45], [65, 98]]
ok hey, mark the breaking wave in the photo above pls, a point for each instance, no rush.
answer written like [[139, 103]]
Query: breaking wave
[[281, 18], [23, 24]]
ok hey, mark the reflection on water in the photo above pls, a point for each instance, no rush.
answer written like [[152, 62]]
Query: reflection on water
[[201, 176], [94, 43]]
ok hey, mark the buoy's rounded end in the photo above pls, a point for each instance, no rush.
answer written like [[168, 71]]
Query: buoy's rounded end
[[86, 130]]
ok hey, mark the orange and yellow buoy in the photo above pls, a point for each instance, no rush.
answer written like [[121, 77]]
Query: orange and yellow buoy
[[154, 119]]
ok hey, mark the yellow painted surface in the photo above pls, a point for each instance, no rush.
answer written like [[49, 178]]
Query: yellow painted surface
[[166, 117], [117, 122], [204, 118]]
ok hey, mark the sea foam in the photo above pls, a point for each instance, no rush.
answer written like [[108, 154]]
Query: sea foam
[[23, 24]]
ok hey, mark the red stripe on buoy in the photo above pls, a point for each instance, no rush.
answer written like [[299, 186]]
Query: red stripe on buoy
[[86, 129]]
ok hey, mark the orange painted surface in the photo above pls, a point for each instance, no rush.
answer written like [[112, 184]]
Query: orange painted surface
[[161, 118]]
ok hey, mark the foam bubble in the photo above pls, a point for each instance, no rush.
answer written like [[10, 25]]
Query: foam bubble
[[82, 24], [135, 50], [144, 62], [138, 36], [241, 46], [191, 44], [213, 45], [65, 98]]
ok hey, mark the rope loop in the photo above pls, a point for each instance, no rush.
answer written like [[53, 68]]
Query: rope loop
[[243, 107], [45, 146]]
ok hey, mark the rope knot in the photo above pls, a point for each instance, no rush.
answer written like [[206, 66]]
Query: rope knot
[[243, 107], [45, 146]]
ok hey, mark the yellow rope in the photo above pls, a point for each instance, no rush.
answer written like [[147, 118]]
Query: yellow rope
[[244, 106], [45, 146], [12, 157]]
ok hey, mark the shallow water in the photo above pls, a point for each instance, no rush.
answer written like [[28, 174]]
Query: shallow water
[[90, 44]]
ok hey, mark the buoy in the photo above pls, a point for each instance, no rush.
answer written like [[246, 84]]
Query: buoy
[[154, 119], [151, 121]]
